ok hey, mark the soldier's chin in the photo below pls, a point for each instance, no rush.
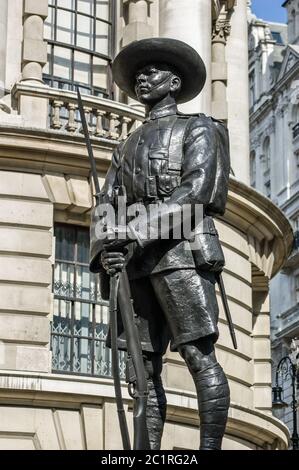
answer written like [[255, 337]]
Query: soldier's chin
[[144, 98]]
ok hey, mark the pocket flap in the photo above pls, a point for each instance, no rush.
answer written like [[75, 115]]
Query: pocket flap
[[160, 154]]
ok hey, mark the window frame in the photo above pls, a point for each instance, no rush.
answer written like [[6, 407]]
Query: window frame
[[73, 48], [73, 300]]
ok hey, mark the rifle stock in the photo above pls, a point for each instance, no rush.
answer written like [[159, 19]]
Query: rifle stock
[[141, 438]]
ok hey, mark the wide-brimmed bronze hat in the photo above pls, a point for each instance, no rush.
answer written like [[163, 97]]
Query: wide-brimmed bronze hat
[[185, 60]]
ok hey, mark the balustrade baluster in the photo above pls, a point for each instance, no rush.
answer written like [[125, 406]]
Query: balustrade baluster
[[125, 121], [100, 131], [87, 111], [56, 120], [71, 125], [113, 132]]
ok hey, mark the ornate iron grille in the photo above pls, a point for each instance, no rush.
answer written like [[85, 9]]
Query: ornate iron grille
[[80, 321]]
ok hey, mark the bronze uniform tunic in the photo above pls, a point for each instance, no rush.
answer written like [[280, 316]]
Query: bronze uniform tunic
[[174, 298]]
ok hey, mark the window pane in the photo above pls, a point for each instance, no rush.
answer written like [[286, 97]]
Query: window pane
[[82, 73], [84, 287], [100, 73], [101, 320], [62, 63], [80, 320], [65, 26], [83, 319], [65, 242], [61, 353], [86, 6], [62, 317], [70, 4], [83, 246], [73, 24], [49, 24], [46, 68], [102, 359], [82, 360], [103, 9], [102, 34], [85, 33], [102, 365], [64, 276]]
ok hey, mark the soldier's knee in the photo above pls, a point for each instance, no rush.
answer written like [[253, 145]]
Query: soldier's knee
[[198, 356]]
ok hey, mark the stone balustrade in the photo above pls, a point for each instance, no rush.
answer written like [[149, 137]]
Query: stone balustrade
[[106, 118]]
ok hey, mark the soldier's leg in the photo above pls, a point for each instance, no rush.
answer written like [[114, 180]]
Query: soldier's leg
[[189, 303], [212, 390], [156, 403]]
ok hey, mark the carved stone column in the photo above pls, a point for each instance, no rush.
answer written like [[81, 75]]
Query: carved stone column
[[237, 91], [34, 48], [221, 30], [3, 40], [136, 14], [190, 21], [34, 110]]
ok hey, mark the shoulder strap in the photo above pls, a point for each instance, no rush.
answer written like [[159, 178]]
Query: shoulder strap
[[176, 144]]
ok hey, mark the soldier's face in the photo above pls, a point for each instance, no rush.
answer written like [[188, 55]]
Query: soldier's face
[[154, 82]]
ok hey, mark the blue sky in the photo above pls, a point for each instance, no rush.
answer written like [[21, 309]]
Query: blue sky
[[269, 10]]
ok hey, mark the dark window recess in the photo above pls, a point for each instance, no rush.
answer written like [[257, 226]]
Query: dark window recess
[[296, 130], [277, 37], [80, 320], [80, 36]]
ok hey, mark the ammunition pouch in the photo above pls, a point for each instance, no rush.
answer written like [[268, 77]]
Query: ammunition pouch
[[206, 248]]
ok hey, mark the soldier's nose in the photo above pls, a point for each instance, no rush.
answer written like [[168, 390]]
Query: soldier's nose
[[141, 79]]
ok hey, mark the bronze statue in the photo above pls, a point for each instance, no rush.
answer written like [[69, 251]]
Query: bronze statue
[[177, 160]]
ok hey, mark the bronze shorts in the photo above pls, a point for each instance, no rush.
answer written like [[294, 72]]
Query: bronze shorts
[[177, 306]]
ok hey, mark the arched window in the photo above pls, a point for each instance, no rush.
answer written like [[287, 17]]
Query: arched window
[[267, 166], [80, 45], [266, 154], [252, 168]]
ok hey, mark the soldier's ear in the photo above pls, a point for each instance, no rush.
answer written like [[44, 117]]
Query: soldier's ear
[[176, 84]]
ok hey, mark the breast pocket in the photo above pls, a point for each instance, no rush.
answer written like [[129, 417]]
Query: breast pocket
[[166, 184], [158, 161]]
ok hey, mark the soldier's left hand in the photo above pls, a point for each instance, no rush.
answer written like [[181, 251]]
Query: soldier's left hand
[[113, 261]]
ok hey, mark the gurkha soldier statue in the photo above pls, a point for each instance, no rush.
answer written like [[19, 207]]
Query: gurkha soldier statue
[[173, 160]]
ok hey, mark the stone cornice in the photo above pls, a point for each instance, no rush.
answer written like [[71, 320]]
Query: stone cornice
[[258, 217]]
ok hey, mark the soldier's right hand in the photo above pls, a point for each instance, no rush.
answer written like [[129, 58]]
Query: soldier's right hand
[[113, 262]]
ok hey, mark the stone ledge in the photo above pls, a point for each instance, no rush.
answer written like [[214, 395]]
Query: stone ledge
[[50, 390]]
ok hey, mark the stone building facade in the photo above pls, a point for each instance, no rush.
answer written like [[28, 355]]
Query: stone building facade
[[274, 158], [55, 386]]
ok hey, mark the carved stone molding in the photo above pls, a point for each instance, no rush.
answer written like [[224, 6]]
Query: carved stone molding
[[270, 128], [221, 30]]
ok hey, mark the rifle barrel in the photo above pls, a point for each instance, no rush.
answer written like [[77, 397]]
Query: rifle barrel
[[88, 145]]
